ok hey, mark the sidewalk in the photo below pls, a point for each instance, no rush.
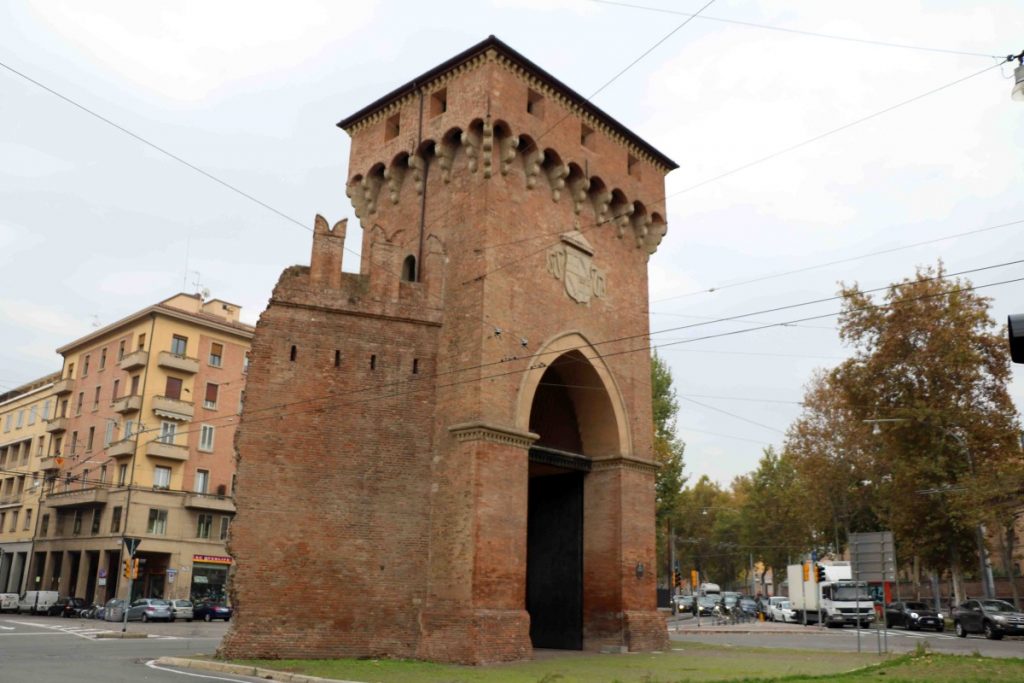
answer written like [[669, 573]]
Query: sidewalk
[[711, 625]]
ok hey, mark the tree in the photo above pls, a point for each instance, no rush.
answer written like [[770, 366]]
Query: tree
[[932, 364], [668, 452]]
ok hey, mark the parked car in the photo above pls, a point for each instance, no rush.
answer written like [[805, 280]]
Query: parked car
[[780, 610], [914, 615], [114, 610], [994, 618], [182, 609], [37, 602], [62, 605], [208, 611], [8, 602], [149, 609], [705, 604], [72, 606]]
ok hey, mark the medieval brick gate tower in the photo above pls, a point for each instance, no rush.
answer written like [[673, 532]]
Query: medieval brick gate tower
[[448, 456]]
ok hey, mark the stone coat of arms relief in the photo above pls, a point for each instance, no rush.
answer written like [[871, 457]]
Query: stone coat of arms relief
[[572, 263]]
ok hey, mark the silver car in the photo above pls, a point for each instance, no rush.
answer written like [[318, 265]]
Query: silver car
[[149, 609], [181, 609]]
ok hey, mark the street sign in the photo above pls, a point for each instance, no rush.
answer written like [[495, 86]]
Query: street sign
[[131, 544], [873, 556]]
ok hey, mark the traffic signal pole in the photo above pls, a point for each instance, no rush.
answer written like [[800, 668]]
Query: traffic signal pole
[[129, 564]]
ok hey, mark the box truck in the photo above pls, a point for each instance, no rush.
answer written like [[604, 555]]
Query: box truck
[[828, 594]]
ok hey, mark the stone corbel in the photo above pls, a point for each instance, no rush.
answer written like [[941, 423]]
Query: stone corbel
[[622, 218], [472, 142], [556, 177], [445, 153], [641, 227], [393, 175], [487, 148], [602, 202], [354, 190], [507, 152], [417, 164], [654, 236], [531, 166], [371, 190], [578, 188]]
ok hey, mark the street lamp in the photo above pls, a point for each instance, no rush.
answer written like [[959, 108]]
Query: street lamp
[[1018, 77]]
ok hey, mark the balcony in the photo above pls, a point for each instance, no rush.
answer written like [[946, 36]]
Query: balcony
[[204, 501], [77, 498], [51, 462], [133, 360], [13, 500], [125, 448], [172, 361], [127, 404], [173, 408], [169, 451], [56, 425], [63, 386]]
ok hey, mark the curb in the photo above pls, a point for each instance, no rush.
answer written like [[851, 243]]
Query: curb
[[244, 670], [120, 635]]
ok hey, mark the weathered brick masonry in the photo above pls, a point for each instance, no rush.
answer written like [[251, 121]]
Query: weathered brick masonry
[[396, 420]]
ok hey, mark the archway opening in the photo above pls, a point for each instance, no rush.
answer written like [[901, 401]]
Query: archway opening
[[572, 414]]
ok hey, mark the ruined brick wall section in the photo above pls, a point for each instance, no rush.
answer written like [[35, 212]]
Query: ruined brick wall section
[[330, 515]]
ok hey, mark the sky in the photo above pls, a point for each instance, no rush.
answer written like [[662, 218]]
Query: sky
[[94, 224]]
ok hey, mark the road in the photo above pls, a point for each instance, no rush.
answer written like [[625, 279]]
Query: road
[[54, 650], [793, 636]]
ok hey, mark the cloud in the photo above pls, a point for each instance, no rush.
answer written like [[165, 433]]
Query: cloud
[[183, 54]]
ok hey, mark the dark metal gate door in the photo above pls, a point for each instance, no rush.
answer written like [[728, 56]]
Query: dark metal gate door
[[554, 561]]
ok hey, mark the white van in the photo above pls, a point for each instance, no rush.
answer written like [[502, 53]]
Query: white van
[[8, 602], [36, 601]]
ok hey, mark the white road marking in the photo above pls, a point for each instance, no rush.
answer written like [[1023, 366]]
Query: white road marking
[[153, 665], [7, 628]]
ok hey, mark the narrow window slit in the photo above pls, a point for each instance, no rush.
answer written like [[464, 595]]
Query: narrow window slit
[[337, 359], [373, 362], [294, 352], [415, 366]]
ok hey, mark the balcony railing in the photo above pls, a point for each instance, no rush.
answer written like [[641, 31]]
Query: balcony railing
[[13, 500], [63, 386], [127, 404], [170, 451], [205, 501], [173, 408], [51, 462], [77, 498], [133, 360], [173, 361], [125, 448], [57, 424]]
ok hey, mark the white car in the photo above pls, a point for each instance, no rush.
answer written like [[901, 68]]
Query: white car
[[782, 611]]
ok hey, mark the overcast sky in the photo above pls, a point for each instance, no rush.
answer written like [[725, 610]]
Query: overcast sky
[[94, 225]]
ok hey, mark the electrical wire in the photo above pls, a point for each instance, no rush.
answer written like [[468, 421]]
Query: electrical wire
[[814, 34]]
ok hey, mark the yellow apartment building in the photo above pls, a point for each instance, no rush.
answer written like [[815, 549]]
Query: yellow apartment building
[[142, 446], [23, 446]]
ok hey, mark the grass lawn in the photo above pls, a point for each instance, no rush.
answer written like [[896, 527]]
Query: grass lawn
[[686, 662]]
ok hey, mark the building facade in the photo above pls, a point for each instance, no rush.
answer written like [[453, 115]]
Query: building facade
[[23, 448], [142, 447], [467, 472]]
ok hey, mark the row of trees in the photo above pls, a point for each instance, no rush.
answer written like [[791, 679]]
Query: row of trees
[[915, 432]]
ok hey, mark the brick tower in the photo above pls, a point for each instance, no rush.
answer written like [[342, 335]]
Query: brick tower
[[448, 456]]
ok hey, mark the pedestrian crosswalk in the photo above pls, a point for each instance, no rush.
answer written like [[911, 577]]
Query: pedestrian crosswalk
[[870, 633], [87, 629]]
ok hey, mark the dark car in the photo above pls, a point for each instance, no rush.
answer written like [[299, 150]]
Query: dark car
[[208, 611], [706, 605], [994, 618], [913, 616], [748, 606], [66, 607]]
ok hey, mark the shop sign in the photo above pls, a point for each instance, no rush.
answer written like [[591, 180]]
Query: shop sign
[[212, 559]]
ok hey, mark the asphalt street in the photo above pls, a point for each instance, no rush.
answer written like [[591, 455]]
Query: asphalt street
[[55, 650], [793, 636]]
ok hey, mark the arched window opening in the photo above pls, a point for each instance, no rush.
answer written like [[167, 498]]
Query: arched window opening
[[409, 269]]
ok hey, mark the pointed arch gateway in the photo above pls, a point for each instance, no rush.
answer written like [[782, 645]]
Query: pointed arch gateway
[[570, 400]]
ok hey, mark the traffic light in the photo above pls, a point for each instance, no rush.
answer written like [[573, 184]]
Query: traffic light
[[807, 571], [694, 579], [135, 568], [819, 573], [677, 578], [126, 570]]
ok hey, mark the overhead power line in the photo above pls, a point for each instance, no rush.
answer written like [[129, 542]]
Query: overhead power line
[[803, 32]]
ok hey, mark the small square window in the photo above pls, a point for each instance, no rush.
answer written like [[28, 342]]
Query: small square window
[[178, 345], [535, 103], [392, 127], [439, 102]]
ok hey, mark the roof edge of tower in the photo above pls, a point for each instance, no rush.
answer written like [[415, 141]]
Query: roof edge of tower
[[492, 42]]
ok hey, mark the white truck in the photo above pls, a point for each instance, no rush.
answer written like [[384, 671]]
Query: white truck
[[836, 601]]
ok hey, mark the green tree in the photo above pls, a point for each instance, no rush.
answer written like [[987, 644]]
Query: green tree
[[668, 452]]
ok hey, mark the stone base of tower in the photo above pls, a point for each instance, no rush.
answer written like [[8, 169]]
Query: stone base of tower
[[476, 636], [645, 631]]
